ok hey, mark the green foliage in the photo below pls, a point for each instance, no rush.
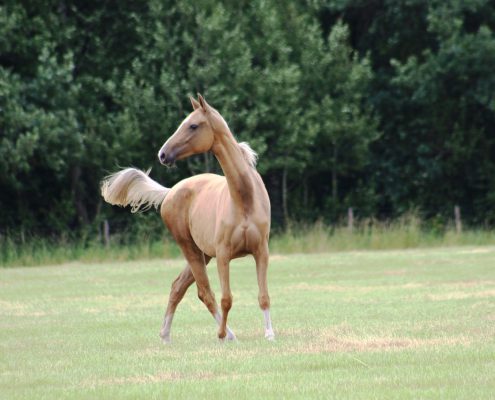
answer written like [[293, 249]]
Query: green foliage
[[343, 122], [385, 107], [451, 88], [438, 115]]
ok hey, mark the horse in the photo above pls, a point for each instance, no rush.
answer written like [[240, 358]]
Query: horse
[[208, 215]]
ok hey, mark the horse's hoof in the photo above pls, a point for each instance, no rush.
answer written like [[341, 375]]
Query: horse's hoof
[[166, 339], [229, 336], [269, 335]]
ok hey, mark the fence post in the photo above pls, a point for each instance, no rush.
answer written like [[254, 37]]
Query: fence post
[[458, 222], [350, 219], [106, 233]]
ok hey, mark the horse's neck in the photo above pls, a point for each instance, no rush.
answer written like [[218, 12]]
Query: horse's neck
[[238, 173]]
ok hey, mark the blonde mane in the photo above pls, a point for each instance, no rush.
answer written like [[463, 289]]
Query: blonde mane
[[249, 154]]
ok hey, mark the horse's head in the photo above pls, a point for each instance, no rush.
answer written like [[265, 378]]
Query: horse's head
[[194, 135]]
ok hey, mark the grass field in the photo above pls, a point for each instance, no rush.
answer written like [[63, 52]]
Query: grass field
[[369, 324]]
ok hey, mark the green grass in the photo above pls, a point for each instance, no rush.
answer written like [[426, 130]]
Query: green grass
[[367, 324]]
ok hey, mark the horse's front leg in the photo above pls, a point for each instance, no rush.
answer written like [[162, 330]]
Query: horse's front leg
[[223, 264], [261, 257], [177, 292]]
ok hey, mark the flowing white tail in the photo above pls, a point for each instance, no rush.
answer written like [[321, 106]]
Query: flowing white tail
[[133, 187]]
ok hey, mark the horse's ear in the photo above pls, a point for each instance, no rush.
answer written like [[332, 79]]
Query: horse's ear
[[194, 102], [204, 105]]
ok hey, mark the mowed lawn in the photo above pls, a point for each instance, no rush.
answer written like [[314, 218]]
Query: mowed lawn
[[377, 324]]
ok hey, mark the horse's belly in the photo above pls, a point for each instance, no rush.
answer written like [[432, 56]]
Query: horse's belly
[[202, 227]]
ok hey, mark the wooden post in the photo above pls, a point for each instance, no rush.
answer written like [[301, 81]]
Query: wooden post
[[106, 233], [350, 219], [458, 222]]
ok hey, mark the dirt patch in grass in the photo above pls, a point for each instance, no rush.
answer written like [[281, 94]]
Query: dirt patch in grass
[[305, 286], [353, 289], [162, 377], [8, 306], [138, 379], [478, 250], [17, 309], [335, 344], [469, 283], [458, 295], [106, 303], [277, 257], [318, 288], [395, 272], [342, 339]]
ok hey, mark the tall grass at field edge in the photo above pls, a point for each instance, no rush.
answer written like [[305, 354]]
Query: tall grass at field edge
[[372, 235], [404, 233], [41, 251]]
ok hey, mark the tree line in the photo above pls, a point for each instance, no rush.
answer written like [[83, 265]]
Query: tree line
[[383, 106]]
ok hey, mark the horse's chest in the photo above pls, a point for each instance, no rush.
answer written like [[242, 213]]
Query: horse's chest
[[244, 239]]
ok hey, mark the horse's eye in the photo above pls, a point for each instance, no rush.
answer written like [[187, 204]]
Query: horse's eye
[[194, 126]]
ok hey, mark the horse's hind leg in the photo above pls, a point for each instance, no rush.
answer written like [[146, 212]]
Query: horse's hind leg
[[261, 259], [177, 292]]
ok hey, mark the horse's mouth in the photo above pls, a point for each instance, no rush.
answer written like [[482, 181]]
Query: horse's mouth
[[167, 160]]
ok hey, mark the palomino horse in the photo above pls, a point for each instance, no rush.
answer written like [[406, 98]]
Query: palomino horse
[[208, 215]]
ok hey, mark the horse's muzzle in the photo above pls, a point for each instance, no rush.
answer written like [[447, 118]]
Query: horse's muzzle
[[166, 159]]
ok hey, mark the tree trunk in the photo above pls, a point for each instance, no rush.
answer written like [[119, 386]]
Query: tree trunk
[[305, 193], [350, 219], [273, 186], [284, 197], [82, 212], [106, 233], [334, 175], [207, 161], [458, 221]]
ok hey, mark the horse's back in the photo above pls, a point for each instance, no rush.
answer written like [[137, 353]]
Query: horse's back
[[203, 189]]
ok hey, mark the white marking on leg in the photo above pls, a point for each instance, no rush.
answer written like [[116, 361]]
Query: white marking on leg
[[269, 334], [218, 318], [165, 332], [230, 334]]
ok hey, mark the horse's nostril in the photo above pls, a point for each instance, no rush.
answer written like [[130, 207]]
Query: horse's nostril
[[161, 157]]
